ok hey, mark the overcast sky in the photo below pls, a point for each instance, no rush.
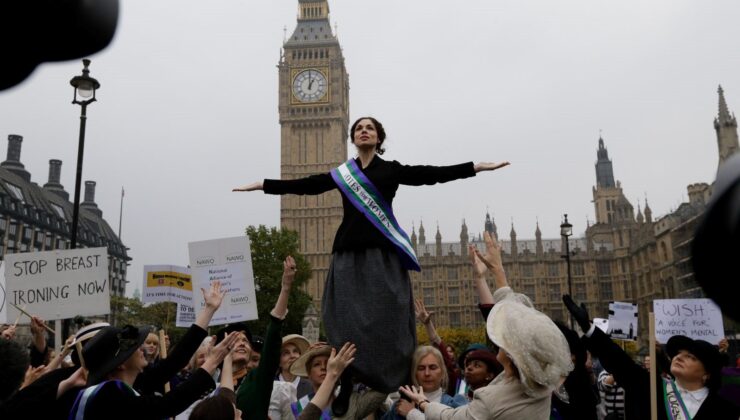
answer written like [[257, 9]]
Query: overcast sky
[[187, 109]]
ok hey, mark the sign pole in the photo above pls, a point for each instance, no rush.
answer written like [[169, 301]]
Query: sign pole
[[653, 370]]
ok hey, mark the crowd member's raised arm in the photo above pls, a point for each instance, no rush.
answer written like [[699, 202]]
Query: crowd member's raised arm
[[212, 298], [479, 277], [153, 378], [425, 317], [492, 260], [338, 361], [253, 395]]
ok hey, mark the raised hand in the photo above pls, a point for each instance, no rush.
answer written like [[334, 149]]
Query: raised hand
[[255, 186], [32, 374], [489, 166], [8, 333], [421, 311], [579, 313], [214, 296], [77, 380], [219, 352], [479, 266], [492, 258], [414, 393], [289, 271], [338, 361]]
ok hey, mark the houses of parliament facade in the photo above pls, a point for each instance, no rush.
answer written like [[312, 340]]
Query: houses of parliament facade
[[625, 255]]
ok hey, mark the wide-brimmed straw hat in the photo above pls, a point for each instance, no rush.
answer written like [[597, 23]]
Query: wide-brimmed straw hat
[[109, 348], [533, 342], [299, 367], [297, 340]]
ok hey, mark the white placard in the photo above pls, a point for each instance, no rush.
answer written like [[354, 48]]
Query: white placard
[[602, 324], [167, 283], [185, 316], [622, 320], [3, 303], [700, 319], [58, 284], [230, 261]]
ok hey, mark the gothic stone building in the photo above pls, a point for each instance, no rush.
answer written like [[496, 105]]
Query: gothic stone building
[[622, 257], [35, 218]]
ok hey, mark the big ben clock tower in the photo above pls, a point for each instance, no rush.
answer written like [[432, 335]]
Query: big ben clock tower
[[314, 119]]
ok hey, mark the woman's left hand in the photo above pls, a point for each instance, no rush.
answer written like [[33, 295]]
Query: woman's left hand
[[415, 393], [489, 166]]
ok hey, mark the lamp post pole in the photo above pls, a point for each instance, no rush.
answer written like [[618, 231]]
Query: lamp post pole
[[84, 86], [566, 230]]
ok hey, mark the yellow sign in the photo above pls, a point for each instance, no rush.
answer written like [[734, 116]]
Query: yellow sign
[[169, 279]]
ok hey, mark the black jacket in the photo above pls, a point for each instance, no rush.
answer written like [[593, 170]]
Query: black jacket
[[636, 383], [355, 231]]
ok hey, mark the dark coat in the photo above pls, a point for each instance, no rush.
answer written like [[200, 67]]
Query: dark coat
[[636, 383], [113, 402], [151, 381], [356, 232]]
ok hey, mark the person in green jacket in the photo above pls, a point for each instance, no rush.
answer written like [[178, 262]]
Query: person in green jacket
[[253, 395]]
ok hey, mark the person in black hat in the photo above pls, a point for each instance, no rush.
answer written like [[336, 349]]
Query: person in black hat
[[114, 358], [695, 370]]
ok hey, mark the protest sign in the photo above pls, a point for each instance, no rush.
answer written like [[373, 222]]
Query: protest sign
[[228, 260], [185, 316], [623, 320], [167, 283], [700, 319], [602, 324], [58, 284], [3, 304]]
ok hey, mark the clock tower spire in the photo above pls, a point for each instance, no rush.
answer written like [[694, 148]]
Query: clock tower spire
[[313, 107]]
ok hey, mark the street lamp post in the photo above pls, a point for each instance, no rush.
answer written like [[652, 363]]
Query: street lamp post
[[84, 87], [566, 230]]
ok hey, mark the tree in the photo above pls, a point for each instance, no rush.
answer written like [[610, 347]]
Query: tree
[[269, 249], [159, 315], [459, 338]]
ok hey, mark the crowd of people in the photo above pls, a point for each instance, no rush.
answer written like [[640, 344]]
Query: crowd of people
[[371, 365], [531, 368]]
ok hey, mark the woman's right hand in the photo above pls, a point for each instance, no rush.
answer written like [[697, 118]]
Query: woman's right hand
[[338, 361], [250, 187]]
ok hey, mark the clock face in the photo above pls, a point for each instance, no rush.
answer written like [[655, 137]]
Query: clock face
[[309, 85]]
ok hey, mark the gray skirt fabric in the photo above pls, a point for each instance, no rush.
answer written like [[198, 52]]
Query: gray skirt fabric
[[368, 301]]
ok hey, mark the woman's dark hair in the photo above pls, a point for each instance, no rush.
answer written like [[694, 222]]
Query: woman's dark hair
[[378, 129], [218, 407], [15, 362]]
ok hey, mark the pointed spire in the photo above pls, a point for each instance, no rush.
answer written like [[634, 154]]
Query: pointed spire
[[640, 219], [438, 240], [413, 235], [724, 112], [464, 239], [648, 211], [604, 170], [490, 225], [513, 232], [538, 235], [422, 237]]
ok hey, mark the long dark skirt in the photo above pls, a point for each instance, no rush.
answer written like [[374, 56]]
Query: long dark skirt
[[368, 301]]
